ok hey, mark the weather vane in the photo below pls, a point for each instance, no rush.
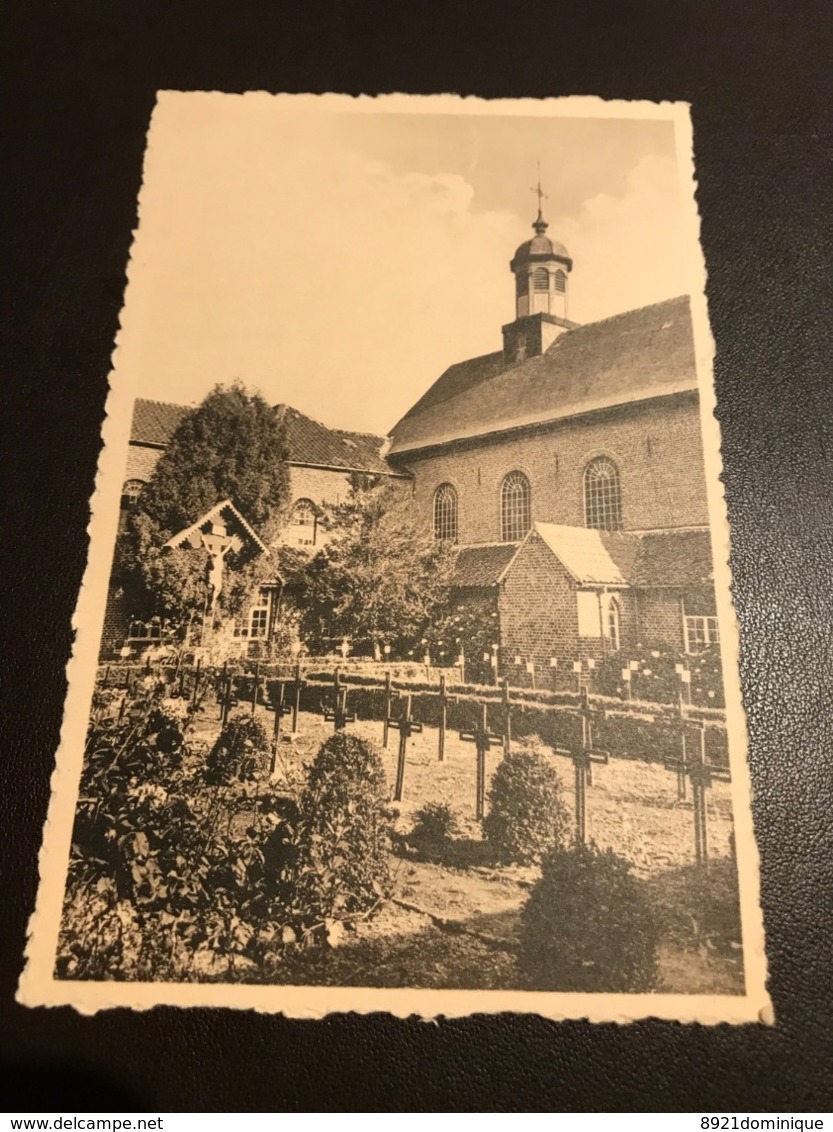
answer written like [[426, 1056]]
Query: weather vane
[[542, 196]]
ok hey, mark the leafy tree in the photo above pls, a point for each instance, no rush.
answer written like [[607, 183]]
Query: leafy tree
[[381, 577], [230, 447]]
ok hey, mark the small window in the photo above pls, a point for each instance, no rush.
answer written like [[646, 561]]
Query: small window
[[560, 282], [129, 498], [130, 493], [613, 638], [602, 495], [305, 520], [541, 279], [145, 630], [445, 513], [256, 625], [700, 632], [515, 507], [522, 283]]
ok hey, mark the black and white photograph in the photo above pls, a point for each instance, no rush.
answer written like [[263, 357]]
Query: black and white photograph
[[405, 674]]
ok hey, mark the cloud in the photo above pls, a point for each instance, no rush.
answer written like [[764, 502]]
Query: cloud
[[343, 287], [629, 250]]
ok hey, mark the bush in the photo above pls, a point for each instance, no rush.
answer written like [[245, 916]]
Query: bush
[[343, 838], [588, 926], [238, 752], [434, 826], [526, 812]]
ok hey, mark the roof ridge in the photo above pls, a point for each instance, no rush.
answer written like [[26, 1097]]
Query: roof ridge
[[619, 314], [165, 404]]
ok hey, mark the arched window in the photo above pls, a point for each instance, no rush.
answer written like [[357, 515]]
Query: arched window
[[130, 493], [304, 519], [602, 495], [613, 637], [560, 282], [515, 507], [129, 498], [540, 279], [445, 513]]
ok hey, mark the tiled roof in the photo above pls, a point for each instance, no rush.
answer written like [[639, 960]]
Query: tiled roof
[[583, 554], [674, 558], [481, 566], [308, 441], [630, 357], [665, 559], [154, 422]]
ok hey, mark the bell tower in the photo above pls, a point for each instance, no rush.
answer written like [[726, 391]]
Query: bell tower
[[541, 267]]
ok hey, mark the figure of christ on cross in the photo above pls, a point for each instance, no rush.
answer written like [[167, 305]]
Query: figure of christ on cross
[[218, 546]]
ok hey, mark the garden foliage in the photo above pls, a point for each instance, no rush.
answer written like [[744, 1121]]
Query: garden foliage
[[435, 824], [239, 752], [163, 883], [381, 576], [344, 833], [588, 925], [526, 814]]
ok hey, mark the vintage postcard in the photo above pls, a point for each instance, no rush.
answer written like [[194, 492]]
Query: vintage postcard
[[405, 674]]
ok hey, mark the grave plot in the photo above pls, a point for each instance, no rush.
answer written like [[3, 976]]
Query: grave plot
[[453, 914]]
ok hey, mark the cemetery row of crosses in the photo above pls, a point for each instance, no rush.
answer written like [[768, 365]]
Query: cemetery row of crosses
[[348, 743]]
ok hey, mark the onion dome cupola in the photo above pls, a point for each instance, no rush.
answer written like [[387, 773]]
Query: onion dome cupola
[[541, 267]]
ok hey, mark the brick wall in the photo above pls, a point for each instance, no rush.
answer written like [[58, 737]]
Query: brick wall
[[660, 619], [657, 447], [539, 618], [116, 624]]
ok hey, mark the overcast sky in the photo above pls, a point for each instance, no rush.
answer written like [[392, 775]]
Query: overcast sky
[[339, 261]]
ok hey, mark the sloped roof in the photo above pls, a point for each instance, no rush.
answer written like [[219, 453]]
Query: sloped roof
[[307, 441], [583, 554], [227, 510], [674, 559], [154, 422], [477, 567], [643, 353], [654, 560], [310, 442]]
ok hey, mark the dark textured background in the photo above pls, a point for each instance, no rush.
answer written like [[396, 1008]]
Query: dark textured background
[[80, 79]]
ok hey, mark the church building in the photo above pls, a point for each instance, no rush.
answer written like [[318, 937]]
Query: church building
[[568, 467]]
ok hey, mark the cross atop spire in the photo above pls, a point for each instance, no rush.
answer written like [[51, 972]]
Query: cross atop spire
[[540, 225]]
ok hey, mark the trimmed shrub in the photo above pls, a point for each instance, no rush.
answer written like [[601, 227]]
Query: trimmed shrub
[[588, 926], [434, 826], [526, 812], [344, 834], [238, 753]]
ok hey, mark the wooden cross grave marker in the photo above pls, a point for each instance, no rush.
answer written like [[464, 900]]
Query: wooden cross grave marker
[[255, 685], [389, 695], [507, 717], [338, 714], [583, 759], [483, 740], [298, 685], [281, 708], [701, 773], [196, 688], [445, 700], [406, 726]]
